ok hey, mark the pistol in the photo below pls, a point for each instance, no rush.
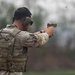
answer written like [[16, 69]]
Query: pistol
[[49, 24]]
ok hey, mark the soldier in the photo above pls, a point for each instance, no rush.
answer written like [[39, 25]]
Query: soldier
[[15, 40]]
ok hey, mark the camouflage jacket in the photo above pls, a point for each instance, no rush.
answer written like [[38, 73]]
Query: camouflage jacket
[[13, 47]]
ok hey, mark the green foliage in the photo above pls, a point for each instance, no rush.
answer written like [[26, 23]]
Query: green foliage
[[3, 22], [6, 13], [38, 21]]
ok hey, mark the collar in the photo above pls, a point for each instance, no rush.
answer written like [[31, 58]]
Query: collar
[[10, 25]]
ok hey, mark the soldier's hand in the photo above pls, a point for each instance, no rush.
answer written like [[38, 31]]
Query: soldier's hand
[[50, 31]]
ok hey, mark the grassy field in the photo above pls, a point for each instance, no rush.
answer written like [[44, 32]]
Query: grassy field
[[51, 73]]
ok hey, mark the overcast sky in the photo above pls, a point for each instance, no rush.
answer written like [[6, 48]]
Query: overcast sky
[[51, 6]]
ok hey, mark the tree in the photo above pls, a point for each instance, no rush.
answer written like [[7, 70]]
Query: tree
[[6, 13]]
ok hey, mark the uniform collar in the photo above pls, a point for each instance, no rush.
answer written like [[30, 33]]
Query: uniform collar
[[10, 25]]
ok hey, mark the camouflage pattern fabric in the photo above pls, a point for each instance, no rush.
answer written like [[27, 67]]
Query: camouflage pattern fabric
[[13, 47], [8, 73]]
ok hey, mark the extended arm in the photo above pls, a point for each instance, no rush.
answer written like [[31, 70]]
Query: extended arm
[[36, 39]]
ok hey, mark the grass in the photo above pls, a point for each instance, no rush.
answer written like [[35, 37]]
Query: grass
[[51, 73]]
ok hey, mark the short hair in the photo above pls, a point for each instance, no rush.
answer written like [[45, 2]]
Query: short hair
[[21, 13]]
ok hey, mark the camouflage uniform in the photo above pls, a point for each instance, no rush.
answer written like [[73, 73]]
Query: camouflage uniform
[[10, 73], [14, 45]]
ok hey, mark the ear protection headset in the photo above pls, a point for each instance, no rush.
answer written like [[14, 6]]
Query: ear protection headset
[[26, 21]]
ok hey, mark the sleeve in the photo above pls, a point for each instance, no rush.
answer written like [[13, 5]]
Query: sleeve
[[33, 40]]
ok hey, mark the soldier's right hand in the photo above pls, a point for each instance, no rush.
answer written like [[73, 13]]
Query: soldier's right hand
[[50, 31]]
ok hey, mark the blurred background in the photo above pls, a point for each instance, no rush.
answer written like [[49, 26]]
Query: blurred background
[[59, 53]]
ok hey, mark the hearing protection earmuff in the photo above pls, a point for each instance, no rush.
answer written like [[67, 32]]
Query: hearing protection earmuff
[[27, 21]]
